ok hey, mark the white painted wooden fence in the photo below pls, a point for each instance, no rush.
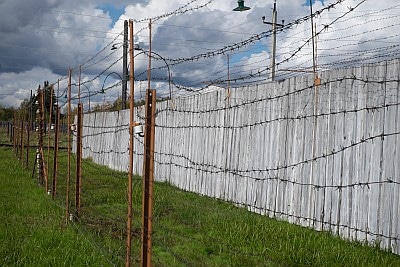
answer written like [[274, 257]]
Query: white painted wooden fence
[[325, 157]]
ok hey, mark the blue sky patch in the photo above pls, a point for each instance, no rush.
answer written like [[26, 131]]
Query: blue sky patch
[[256, 48], [114, 12], [307, 3]]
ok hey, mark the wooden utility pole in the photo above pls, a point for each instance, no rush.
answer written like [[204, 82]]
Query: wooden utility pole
[[131, 140], [148, 178], [125, 65], [312, 36], [273, 44]]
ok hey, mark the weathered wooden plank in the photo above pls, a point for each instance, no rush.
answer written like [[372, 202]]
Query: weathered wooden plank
[[282, 149]]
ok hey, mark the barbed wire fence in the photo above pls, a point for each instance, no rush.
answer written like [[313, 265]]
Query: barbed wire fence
[[319, 156], [323, 158]]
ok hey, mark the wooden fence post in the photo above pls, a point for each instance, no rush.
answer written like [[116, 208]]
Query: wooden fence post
[[148, 178], [21, 151], [55, 158], [14, 134], [131, 145], [12, 130], [28, 132], [78, 188], [68, 180], [39, 154], [48, 128]]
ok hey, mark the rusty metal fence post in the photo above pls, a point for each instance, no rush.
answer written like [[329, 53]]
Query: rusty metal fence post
[[21, 151], [40, 129], [68, 180], [78, 184], [28, 132], [48, 130], [55, 156], [131, 146], [148, 178]]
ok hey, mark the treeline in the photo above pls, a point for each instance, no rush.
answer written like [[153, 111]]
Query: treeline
[[6, 114], [117, 105], [30, 106]]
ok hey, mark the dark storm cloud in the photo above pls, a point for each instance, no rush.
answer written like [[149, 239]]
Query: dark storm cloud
[[49, 34]]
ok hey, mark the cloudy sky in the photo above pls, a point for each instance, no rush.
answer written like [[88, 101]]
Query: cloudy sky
[[200, 41]]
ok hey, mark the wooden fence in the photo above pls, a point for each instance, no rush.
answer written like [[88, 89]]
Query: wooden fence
[[325, 157]]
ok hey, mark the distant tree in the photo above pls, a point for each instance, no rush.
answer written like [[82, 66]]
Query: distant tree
[[140, 103], [114, 106], [50, 99], [117, 105], [102, 107], [31, 105], [6, 114], [97, 108]]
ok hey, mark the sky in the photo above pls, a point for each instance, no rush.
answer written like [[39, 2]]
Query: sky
[[203, 43]]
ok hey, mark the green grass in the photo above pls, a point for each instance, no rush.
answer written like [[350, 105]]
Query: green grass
[[32, 231], [188, 229], [209, 232]]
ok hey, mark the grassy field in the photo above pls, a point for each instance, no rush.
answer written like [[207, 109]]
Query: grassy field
[[32, 232], [189, 230]]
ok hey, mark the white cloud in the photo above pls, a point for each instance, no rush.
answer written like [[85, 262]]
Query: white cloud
[[41, 41], [17, 87]]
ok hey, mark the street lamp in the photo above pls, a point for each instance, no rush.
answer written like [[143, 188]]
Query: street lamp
[[102, 91], [241, 7], [113, 72], [124, 64], [88, 94], [136, 47], [274, 24]]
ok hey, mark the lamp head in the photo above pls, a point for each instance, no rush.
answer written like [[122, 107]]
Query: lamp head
[[241, 7]]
